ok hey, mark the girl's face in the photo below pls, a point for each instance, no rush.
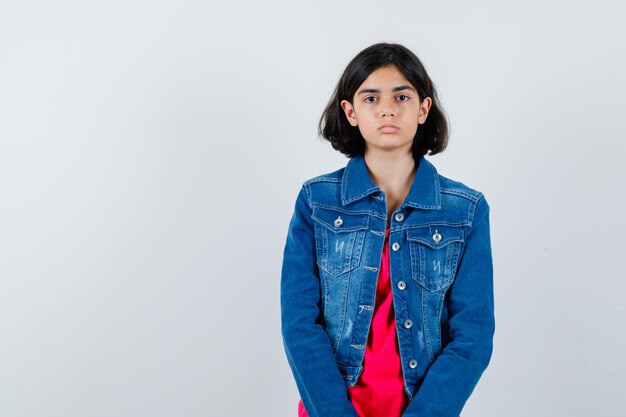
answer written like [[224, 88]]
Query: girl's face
[[387, 110]]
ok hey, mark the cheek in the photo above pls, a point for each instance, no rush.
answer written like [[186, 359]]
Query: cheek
[[365, 121], [413, 114]]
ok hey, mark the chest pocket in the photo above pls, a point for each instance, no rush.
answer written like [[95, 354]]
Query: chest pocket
[[435, 252], [339, 239]]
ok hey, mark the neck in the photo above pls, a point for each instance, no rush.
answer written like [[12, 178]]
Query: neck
[[392, 173]]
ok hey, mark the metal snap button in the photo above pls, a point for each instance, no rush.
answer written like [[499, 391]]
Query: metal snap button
[[413, 363], [395, 246], [399, 217], [437, 237], [338, 221], [401, 285], [408, 324]]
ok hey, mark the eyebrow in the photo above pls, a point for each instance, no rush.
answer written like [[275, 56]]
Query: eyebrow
[[374, 90]]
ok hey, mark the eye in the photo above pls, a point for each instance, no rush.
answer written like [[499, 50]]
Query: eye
[[403, 97], [367, 99]]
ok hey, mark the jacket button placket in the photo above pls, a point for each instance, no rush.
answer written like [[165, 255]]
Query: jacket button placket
[[408, 323]]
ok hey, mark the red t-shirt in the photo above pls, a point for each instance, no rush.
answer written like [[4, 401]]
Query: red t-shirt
[[379, 390]]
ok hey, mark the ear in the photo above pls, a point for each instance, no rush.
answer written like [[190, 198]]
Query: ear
[[348, 109], [424, 108]]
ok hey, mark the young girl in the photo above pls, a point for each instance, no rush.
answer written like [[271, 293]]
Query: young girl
[[387, 278]]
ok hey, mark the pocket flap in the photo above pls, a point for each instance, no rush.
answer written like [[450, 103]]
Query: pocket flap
[[338, 221], [437, 236]]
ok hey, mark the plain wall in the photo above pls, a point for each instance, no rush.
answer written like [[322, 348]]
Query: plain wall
[[151, 153]]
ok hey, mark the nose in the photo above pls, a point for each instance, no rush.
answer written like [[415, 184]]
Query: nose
[[387, 108]]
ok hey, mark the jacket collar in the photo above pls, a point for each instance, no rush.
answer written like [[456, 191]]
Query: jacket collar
[[424, 193]]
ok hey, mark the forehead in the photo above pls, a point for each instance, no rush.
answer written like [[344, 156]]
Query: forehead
[[387, 76]]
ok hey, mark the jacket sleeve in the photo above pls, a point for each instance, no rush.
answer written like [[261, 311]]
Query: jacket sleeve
[[453, 376], [309, 352]]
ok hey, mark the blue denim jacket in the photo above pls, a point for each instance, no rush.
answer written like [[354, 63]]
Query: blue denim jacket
[[442, 284]]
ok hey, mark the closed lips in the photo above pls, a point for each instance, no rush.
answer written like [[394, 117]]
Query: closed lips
[[388, 128]]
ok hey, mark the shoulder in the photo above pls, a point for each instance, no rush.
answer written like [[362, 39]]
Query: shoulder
[[454, 192], [328, 183], [455, 187], [334, 176], [325, 185]]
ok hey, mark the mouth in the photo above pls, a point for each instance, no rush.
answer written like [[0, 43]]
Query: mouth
[[388, 128]]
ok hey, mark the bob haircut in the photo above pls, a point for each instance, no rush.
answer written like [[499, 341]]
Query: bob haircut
[[431, 136]]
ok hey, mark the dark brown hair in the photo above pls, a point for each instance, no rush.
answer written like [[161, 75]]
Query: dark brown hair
[[431, 136]]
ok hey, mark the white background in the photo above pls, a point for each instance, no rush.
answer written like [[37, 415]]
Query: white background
[[151, 153]]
